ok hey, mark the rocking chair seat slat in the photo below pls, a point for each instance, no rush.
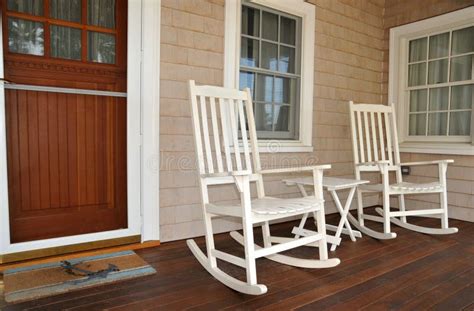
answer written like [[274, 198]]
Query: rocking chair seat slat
[[269, 206], [405, 187]]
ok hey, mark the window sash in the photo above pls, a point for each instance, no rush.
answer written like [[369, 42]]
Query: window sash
[[428, 87], [293, 111]]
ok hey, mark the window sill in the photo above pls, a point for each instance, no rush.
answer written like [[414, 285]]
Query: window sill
[[438, 148]]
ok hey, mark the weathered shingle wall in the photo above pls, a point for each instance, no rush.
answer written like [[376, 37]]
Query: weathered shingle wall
[[348, 62]]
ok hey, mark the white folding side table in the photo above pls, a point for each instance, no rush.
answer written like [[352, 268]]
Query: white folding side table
[[331, 184]]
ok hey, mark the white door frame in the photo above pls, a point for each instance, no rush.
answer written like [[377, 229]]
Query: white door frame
[[142, 137]]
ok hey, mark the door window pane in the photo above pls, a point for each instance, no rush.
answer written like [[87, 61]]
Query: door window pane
[[462, 97], [287, 59], [33, 7], [101, 47], [463, 41], [249, 52], [417, 74], [250, 21], [65, 42], [460, 123], [439, 98], [418, 100], [270, 26], [269, 55], [437, 123], [101, 13], [25, 37], [281, 117], [69, 10], [417, 50], [287, 30], [417, 124], [461, 68], [439, 45], [264, 88], [438, 71]]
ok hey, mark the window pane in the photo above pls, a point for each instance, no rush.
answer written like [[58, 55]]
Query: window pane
[[101, 13], [438, 71], [250, 21], [26, 37], [288, 30], [461, 68], [463, 41], [281, 118], [418, 100], [439, 45], [264, 88], [287, 59], [270, 26], [462, 97], [247, 79], [269, 56], [249, 52], [263, 117], [33, 7], [101, 47], [285, 90], [417, 74], [439, 98], [65, 42], [69, 10], [460, 123], [437, 123], [417, 50], [417, 124]]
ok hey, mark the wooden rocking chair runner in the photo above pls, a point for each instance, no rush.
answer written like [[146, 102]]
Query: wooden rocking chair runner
[[375, 148], [229, 111]]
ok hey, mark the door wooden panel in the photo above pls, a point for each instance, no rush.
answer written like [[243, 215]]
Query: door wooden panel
[[66, 153]]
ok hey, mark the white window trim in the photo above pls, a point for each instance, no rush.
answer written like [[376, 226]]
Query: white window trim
[[231, 66], [399, 37]]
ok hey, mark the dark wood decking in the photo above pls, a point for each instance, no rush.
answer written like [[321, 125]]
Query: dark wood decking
[[412, 272]]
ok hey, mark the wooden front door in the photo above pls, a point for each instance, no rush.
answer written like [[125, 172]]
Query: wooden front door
[[66, 142]]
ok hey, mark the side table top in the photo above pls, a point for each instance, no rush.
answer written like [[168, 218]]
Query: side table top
[[330, 183]]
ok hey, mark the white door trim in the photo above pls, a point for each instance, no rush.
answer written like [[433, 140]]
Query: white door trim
[[142, 137]]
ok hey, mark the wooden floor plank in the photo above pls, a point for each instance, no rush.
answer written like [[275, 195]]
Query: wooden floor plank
[[412, 272]]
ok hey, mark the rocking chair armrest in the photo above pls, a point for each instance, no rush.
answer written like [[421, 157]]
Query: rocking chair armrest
[[373, 163], [227, 174], [446, 161], [295, 169]]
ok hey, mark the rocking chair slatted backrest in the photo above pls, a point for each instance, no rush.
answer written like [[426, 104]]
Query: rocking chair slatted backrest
[[218, 116], [374, 134]]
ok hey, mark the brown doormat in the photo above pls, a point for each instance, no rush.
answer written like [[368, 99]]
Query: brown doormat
[[42, 280]]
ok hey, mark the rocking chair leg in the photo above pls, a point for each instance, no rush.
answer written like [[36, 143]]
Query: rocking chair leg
[[360, 208], [266, 235], [443, 197], [321, 224], [386, 211], [401, 205]]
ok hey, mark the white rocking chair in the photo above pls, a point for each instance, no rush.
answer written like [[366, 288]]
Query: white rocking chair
[[375, 149], [209, 102]]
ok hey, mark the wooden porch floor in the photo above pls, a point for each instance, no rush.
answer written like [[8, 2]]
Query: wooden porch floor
[[412, 272]]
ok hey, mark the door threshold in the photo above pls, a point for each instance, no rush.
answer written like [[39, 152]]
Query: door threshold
[[44, 255]]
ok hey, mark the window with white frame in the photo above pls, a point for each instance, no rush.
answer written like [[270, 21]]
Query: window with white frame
[[431, 80], [270, 66], [269, 48]]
